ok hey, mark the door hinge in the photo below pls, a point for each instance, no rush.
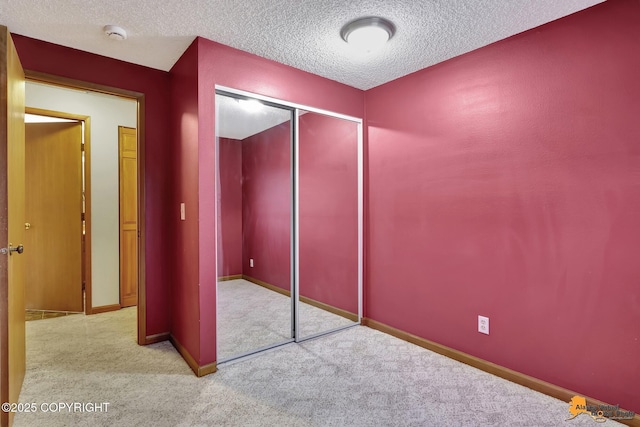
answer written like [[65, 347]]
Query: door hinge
[[82, 147]]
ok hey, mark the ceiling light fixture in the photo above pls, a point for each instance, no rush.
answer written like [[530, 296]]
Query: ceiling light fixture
[[115, 33], [251, 105], [368, 34]]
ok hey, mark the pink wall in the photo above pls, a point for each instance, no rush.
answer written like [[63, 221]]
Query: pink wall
[[230, 226], [43, 57], [266, 205], [329, 210], [506, 183]]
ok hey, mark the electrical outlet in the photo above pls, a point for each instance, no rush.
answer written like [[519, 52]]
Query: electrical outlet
[[483, 325], [250, 262]]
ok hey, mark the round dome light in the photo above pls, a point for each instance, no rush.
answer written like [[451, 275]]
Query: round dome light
[[368, 34]]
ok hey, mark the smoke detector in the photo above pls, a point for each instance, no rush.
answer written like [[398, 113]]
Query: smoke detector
[[115, 33]]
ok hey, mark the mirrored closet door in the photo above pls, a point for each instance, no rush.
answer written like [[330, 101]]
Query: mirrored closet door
[[289, 222], [328, 212], [254, 215]]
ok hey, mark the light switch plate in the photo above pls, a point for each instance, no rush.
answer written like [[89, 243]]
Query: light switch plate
[[183, 213]]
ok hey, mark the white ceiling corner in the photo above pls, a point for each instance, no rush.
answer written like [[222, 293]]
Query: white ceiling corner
[[300, 33]]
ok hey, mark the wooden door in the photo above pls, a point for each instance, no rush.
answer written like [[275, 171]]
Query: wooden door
[[54, 212], [128, 143], [12, 219]]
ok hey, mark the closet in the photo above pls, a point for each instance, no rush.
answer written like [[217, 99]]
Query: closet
[[289, 222]]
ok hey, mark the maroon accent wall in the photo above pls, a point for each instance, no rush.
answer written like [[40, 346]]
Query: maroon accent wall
[[266, 205], [185, 291], [230, 227], [44, 57], [204, 65], [328, 203], [506, 183]]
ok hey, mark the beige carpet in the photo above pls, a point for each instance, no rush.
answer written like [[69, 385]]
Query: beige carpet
[[251, 317], [356, 377]]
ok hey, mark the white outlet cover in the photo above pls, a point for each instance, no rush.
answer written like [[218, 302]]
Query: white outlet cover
[[483, 325], [250, 262]]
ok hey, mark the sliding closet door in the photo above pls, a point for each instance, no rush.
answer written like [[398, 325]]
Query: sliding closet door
[[329, 225], [254, 235], [289, 222]]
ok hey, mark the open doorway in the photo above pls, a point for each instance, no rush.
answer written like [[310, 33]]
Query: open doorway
[[102, 189], [55, 211]]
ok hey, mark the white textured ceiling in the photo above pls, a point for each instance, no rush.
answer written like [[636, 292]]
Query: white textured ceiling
[[301, 33]]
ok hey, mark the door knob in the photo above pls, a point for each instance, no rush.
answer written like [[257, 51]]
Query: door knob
[[11, 249], [19, 249], [27, 226]]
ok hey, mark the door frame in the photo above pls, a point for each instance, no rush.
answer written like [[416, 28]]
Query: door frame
[[139, 97], [86, 244]]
